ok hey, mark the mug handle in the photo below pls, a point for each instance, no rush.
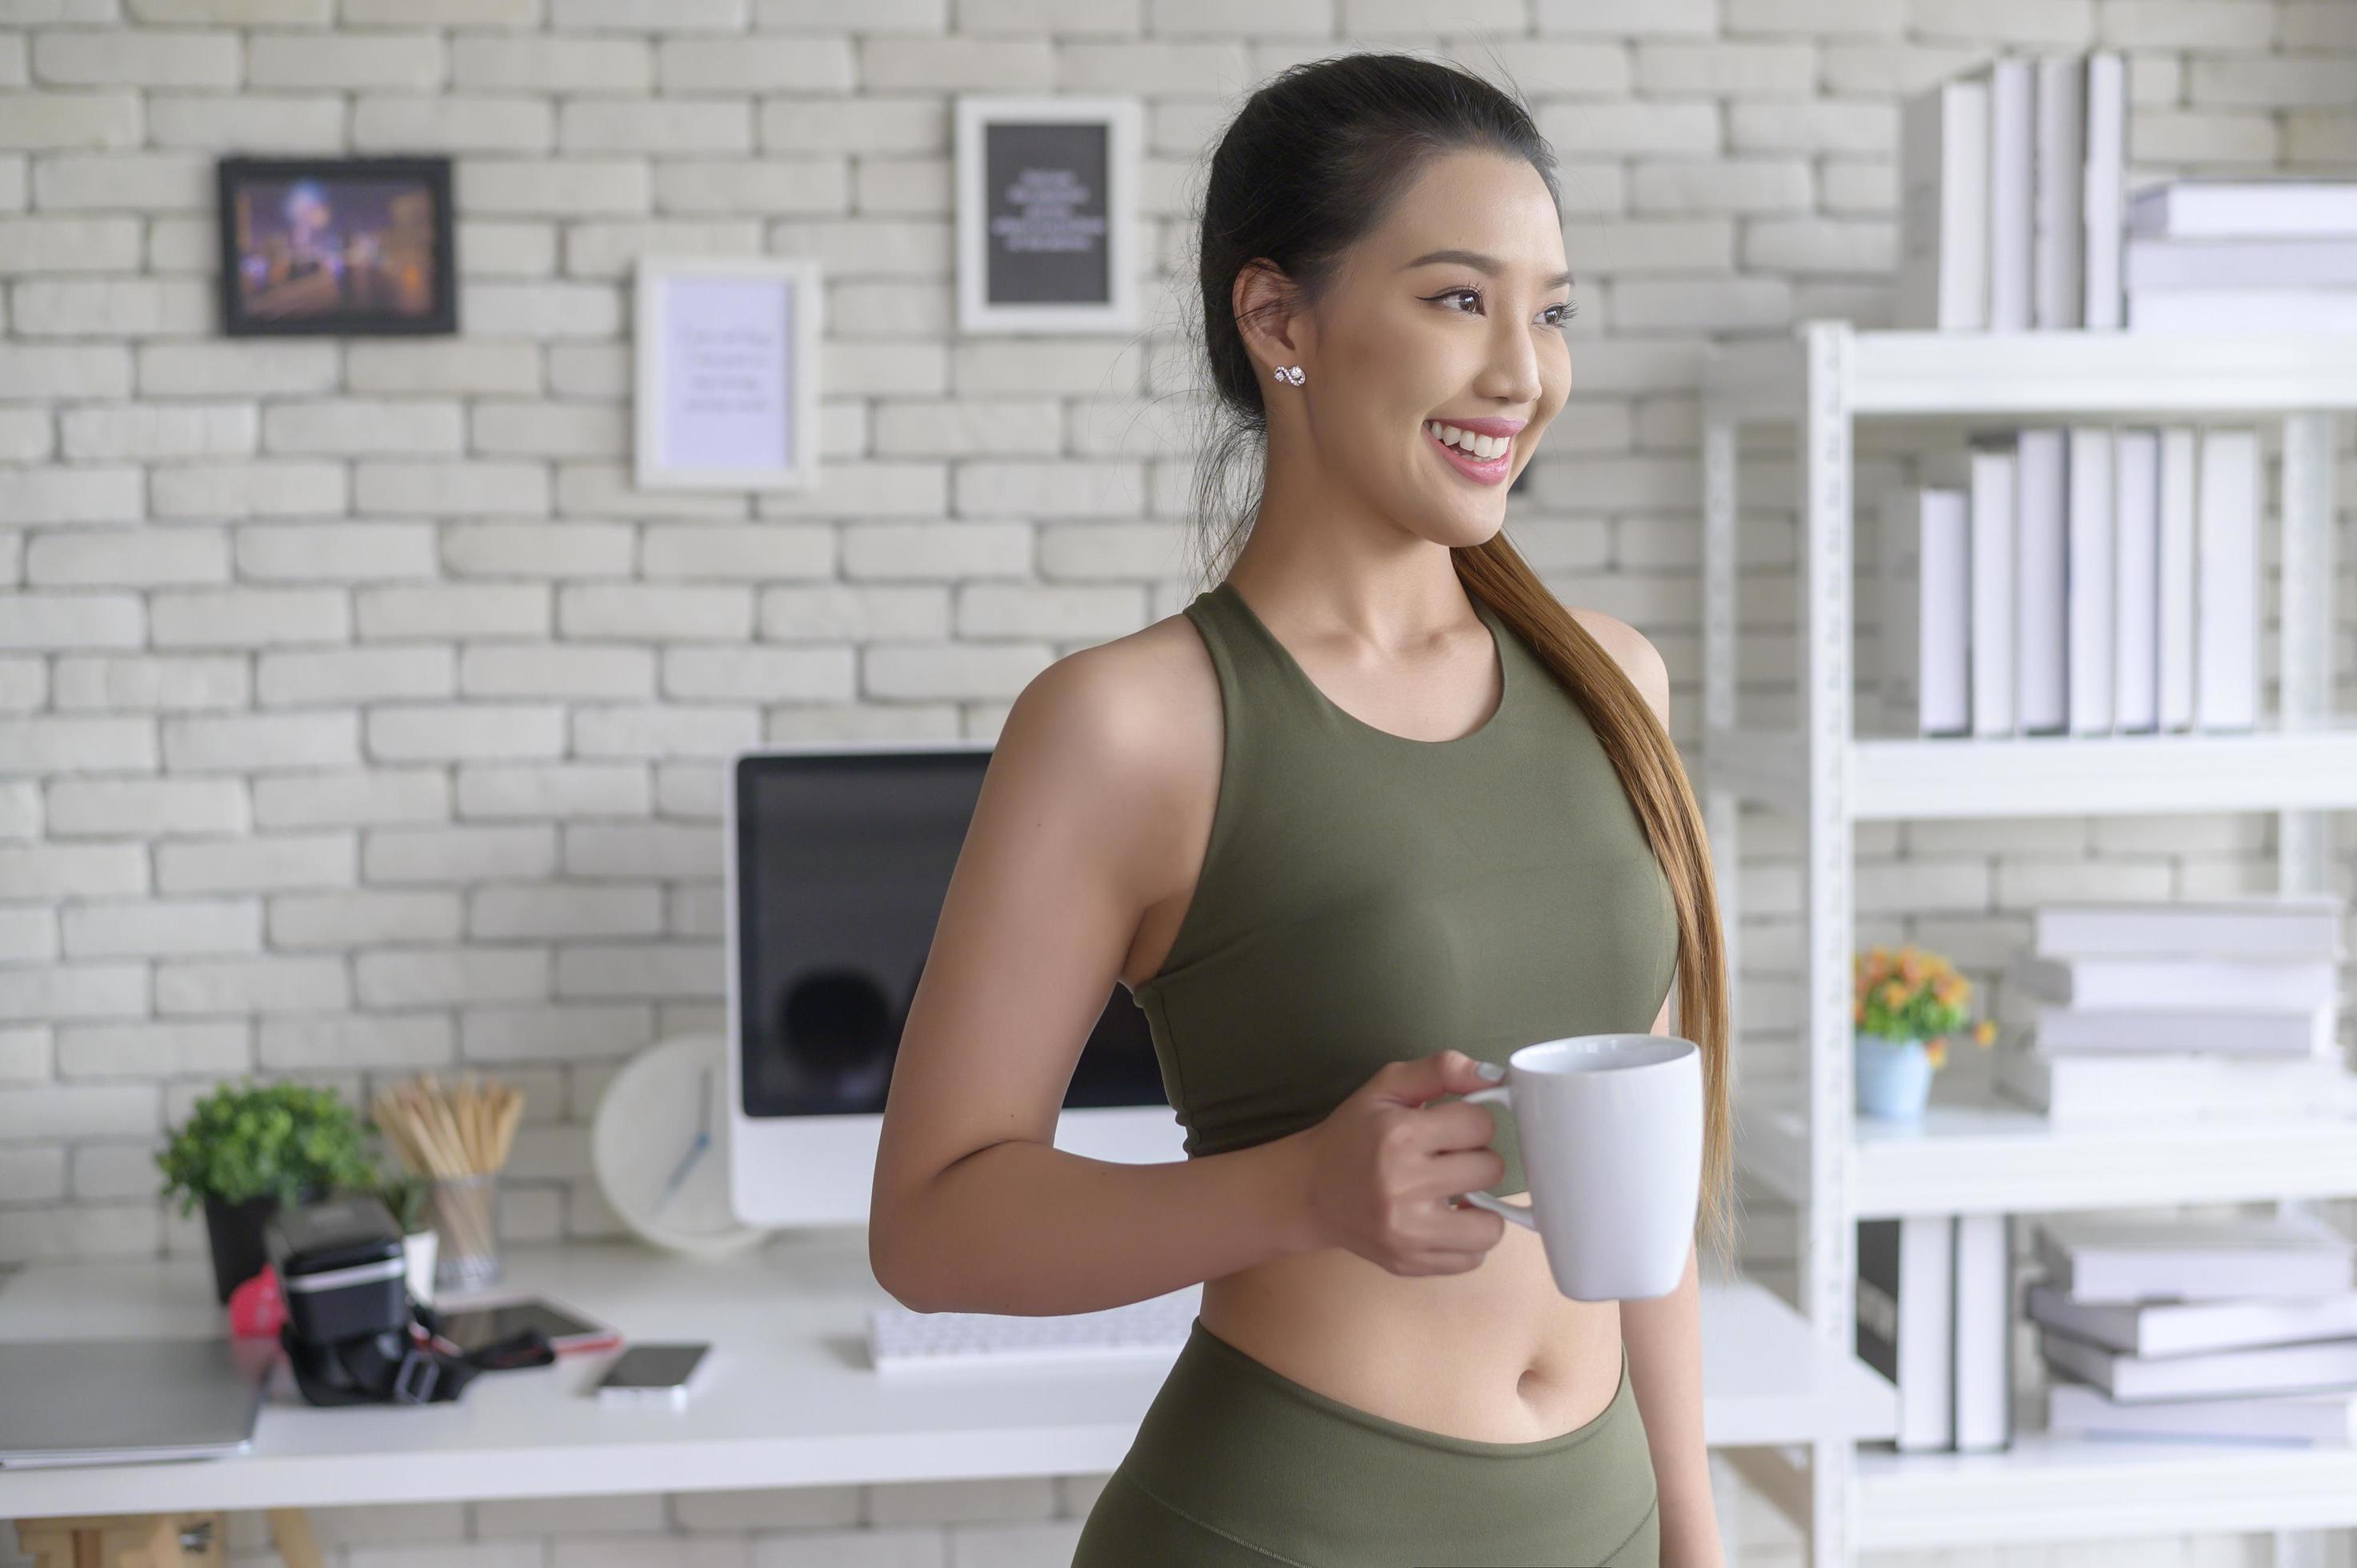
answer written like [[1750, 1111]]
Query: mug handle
[[1513, 1211]]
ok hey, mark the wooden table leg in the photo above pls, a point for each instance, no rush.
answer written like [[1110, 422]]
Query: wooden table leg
[[124, 1541], [291, 1528]]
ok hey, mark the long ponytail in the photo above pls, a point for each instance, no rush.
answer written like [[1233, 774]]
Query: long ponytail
[[1650, 770]]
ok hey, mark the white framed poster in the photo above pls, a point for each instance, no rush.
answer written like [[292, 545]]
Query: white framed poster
[[1047, 213], [728, 372]]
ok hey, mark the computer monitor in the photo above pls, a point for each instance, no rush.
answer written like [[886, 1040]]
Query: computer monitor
[[838, 857]]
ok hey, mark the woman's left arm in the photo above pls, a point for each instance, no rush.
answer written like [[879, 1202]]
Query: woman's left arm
[[1664, 1334]]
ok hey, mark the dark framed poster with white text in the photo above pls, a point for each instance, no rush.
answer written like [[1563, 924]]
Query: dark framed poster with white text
[[1047, 214]]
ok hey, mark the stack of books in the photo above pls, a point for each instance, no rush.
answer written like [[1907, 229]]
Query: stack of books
[[2083, 579], [2248, 255], [2207, 1009], [2214, 1329], [2011, 196], [1934, 1310]]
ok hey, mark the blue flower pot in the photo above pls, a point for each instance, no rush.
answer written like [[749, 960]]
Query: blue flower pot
[[1894, 1076]]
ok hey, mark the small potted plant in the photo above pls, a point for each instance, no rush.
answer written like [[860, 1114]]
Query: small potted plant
[[248, 1148], [1907, 1005]]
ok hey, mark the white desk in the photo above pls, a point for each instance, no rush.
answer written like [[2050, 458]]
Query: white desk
[[793, 1399]]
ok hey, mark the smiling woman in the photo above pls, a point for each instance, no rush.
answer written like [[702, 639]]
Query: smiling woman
[[1374, 813]]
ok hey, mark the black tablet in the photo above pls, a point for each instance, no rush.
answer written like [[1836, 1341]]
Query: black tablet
[[471, 1325]]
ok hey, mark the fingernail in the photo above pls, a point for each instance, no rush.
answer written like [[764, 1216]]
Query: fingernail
[[1494, 1071]]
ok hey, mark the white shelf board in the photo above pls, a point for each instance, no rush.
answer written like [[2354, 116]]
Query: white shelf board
[[1765, 1373], [2047, 1487], [2046, 373], [1996, 1157], [1891, 778]]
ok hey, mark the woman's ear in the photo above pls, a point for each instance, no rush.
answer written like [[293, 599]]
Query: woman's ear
[[1268, 317]]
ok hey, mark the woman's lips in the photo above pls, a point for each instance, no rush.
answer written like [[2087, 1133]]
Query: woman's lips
[[1482, 471]]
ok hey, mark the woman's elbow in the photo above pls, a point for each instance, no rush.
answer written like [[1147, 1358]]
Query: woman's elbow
[[889, 1255], [901, 1251]]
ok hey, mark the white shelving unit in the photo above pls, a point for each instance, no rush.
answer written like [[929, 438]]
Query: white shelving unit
[[1836, 1169]]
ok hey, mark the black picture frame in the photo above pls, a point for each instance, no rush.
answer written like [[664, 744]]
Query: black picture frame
[[432, 303]]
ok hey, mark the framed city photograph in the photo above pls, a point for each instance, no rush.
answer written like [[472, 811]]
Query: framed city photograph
[[728, 372], [1047, 214], [356, 246]]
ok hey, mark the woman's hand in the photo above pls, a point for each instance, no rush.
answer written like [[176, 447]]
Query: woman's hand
[[1381, 1170]]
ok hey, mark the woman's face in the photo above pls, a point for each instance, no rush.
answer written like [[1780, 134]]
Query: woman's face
[[1447, 317]]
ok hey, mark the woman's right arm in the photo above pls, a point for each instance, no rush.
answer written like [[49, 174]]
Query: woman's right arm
[[973, 1209]]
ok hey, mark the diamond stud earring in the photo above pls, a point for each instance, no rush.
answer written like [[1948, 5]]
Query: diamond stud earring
[[1289, 373]]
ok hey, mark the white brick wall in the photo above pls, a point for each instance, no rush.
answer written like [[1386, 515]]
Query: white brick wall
[[357, 717]]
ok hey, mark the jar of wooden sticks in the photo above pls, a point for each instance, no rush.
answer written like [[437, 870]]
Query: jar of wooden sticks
[[458, 1137]]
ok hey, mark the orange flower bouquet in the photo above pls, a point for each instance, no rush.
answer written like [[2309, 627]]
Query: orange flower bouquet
[[1906, 1007]]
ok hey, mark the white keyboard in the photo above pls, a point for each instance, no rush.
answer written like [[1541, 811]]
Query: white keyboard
[[1138, 1332]]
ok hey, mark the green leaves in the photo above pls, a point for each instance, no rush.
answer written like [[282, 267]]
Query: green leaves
[[404, 1196], [246, 1141]]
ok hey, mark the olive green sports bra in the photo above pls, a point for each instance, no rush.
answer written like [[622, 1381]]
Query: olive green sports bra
[[1367, 897]]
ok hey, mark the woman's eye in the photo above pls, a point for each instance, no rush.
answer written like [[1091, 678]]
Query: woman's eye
[[1554, 316]]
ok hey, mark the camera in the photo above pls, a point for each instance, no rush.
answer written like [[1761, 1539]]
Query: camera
[[353, 1335]]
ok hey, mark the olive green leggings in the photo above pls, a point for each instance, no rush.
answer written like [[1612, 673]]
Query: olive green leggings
[[1236, 1465]]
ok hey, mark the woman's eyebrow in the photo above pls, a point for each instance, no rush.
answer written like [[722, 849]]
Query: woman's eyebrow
[[1485, 264]]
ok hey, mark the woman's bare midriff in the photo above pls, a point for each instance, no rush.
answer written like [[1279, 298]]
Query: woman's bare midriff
[[1497, 1354]]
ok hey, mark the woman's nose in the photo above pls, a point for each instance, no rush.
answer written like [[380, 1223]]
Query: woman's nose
[[1512, 373]]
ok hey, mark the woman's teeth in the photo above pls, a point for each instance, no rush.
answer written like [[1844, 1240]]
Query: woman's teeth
[[1481, 447]]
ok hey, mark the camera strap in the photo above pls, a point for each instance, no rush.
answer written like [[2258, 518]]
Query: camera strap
[[402, 1366]]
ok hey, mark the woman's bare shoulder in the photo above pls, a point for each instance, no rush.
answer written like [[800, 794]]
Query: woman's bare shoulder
[[1118, 703], [1634, 653], [1137, 715]]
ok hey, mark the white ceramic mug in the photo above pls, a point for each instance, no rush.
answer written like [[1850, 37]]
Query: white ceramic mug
[[1611, 1144]]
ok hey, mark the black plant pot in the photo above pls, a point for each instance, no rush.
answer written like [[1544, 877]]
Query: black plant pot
[[236, 1229]]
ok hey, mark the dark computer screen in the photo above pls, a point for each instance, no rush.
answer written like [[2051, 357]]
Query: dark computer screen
[[842, 863]]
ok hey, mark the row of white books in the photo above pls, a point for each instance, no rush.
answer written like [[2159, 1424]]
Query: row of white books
[[2145, 1325], [2198, 1008], [2082, 579], [2208, 1328], [2011, 193], [2015, 216], [2259, 256], [1934, 1309]]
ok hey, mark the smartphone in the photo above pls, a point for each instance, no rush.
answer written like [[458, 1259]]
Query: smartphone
[[470, 1325], [652, 1374]]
